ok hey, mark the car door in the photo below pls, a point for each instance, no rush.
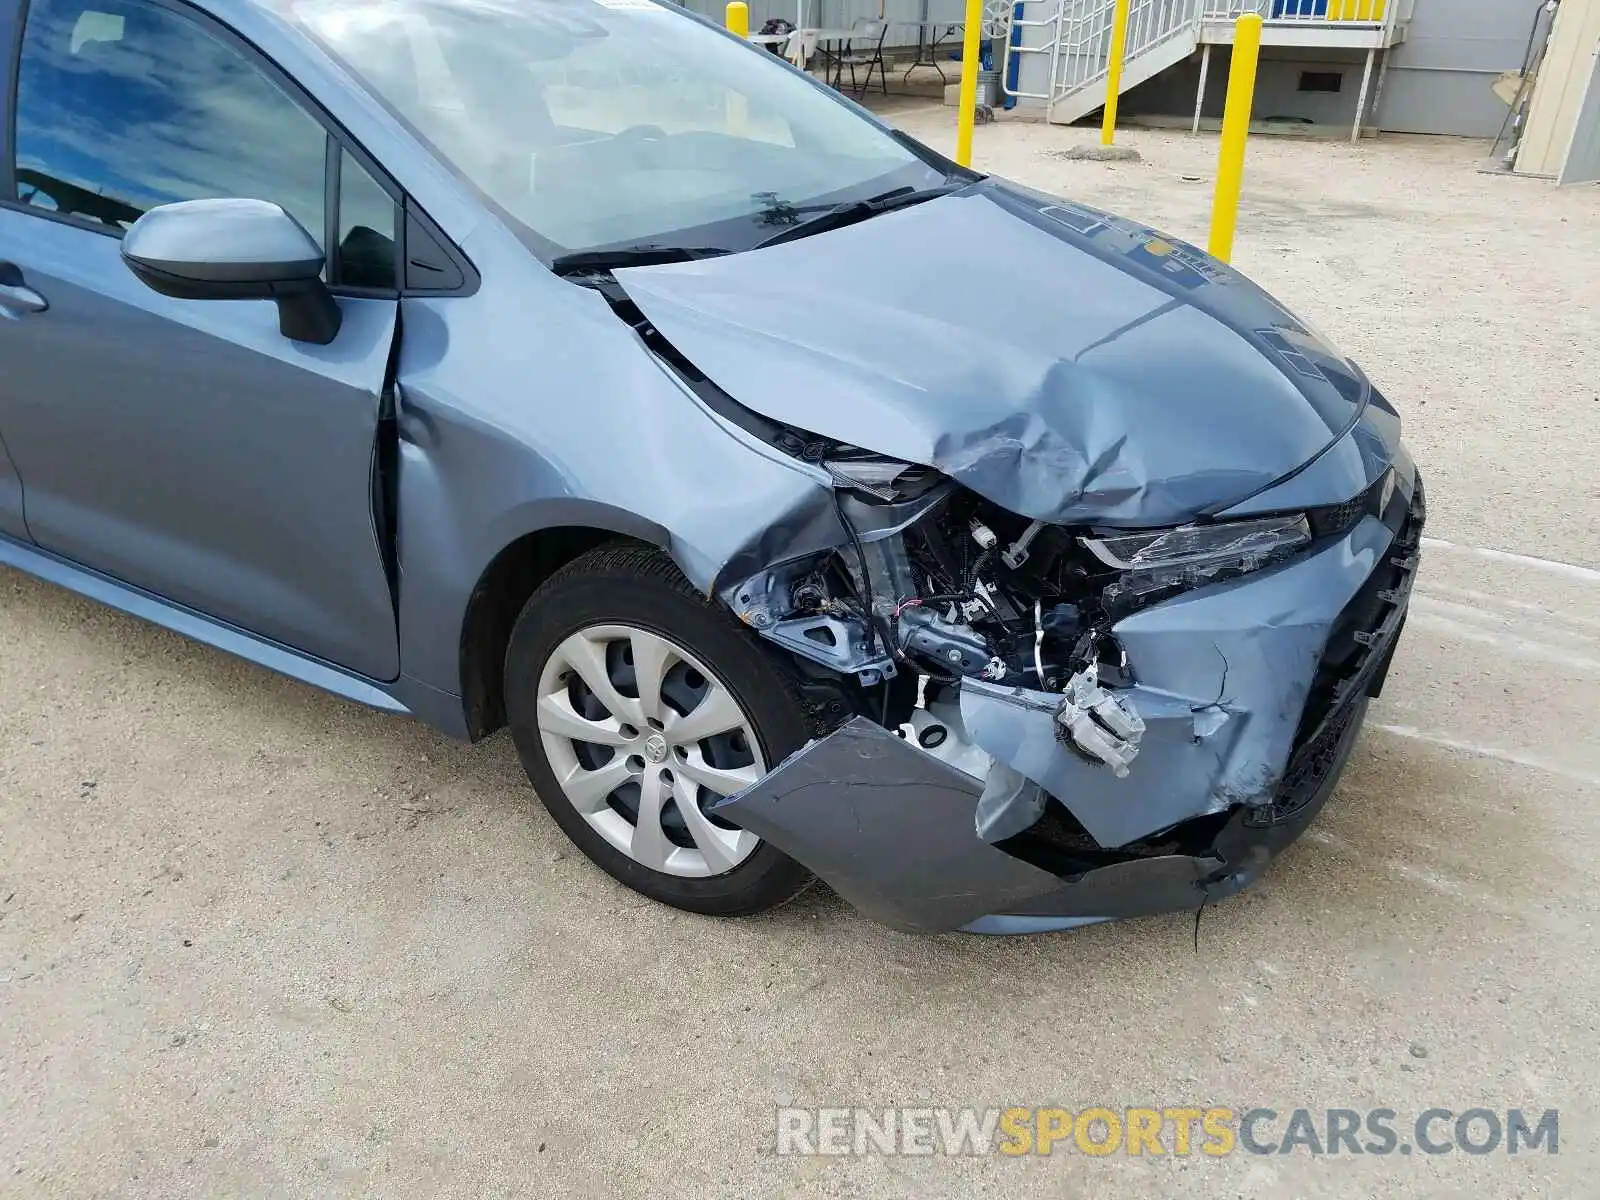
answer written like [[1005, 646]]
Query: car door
[[187, 447], [11, 519], [11, 299]]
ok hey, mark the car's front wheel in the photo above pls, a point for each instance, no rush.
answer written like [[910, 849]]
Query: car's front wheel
[[635, 705]]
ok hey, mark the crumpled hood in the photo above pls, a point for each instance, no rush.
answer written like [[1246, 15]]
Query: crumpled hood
[[1070, 366]]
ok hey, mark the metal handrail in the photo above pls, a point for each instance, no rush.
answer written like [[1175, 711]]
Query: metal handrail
[[1079, 43], [1338, 12], [1151, 23], [1054, 50]]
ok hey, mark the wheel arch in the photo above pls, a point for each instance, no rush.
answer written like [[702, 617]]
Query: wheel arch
[[567, 529]]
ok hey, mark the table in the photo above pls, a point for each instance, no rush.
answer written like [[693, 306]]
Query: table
[[930, 35], [820, 39], [771, 42], [830, 43]]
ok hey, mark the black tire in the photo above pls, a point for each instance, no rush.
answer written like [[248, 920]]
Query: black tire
[[625, 583]]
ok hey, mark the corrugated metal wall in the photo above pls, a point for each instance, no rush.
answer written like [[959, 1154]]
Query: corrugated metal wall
[[1582, 164], [842, 14], [1278, 93], [1439, 77]]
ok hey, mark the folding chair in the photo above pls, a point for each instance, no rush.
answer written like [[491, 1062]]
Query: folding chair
[[868, 31]]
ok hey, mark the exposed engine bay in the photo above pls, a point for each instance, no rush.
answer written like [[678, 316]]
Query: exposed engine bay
[[1106, 751], [966, 589]]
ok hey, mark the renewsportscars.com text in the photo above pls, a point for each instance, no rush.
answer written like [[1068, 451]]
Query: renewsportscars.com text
[[1178, 1130]]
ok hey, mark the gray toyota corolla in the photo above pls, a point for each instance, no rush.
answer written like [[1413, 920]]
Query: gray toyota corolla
[[805, 504]]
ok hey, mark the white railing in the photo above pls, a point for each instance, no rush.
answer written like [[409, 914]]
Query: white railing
[[1023, 39], [1075, 35], [1384, 14], [1370, 12], [1078, 38], [1087, 45]]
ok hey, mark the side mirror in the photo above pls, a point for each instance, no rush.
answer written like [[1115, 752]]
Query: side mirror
[[235, 250]]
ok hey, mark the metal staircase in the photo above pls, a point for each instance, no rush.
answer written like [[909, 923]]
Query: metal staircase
[[1062, 46], [1161, 34], [1075, 37]]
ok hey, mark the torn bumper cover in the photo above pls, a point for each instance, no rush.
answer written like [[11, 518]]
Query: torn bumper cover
[[1250, 695]]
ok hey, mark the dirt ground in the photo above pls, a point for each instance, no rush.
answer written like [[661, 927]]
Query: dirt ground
[[255, 940]]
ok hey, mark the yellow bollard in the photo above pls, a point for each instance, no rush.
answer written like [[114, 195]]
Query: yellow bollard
[[1119, 43], [1235, 127], [967, 112], [738, 23]]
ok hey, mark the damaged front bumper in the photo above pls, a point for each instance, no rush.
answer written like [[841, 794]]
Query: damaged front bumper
[[1249, 697]]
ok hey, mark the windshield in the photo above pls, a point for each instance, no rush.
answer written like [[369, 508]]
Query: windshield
[[602, 123]]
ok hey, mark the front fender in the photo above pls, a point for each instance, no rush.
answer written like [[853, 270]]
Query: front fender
[[572, 512], [530, 405]]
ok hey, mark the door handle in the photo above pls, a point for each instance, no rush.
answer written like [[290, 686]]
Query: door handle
[[16, 297]]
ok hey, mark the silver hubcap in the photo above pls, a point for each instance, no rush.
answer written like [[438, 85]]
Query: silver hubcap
[[644, 739]]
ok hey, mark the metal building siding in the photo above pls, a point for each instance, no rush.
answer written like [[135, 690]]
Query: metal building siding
[[1583, 154], [841, 14], [1439, 77]]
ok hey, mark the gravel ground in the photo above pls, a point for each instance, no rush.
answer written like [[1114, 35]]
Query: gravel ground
[[257, 941]]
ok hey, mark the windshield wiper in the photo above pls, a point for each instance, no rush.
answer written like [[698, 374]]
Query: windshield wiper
[[852, 211], [650, 254], [583, 262]]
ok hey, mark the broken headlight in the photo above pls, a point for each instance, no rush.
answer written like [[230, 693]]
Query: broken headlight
[[1166, 560]]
